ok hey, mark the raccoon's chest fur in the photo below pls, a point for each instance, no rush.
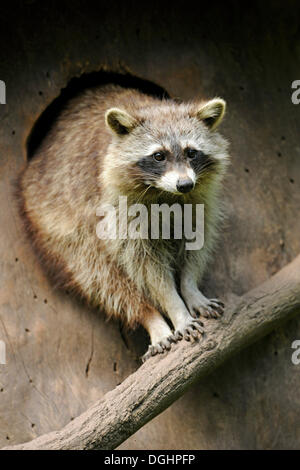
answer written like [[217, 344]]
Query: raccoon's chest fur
[[133, 256]]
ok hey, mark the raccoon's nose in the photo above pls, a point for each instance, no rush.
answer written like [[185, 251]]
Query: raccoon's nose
[[184, 185]]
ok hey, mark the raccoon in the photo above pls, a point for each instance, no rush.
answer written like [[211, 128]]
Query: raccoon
[[109, 142]]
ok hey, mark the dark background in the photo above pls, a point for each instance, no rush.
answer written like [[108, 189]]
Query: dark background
[[62, 357]]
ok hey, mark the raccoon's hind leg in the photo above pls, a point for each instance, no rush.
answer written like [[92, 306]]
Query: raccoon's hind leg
[[160, 333]]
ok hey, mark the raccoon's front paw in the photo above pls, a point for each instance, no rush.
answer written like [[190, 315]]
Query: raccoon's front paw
[[190, 329], [213, 309], [159, 347], [199, 305]]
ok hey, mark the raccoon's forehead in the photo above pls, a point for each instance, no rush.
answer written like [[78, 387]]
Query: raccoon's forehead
[[172, 138], [171, 126]]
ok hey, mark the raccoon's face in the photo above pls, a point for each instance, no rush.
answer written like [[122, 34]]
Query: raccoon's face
[[170, 147]]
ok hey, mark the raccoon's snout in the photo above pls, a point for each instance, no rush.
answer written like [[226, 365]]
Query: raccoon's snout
[[185, 185], [175, 181]]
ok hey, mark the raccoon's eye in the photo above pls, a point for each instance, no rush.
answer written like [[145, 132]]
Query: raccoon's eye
[[159, 156], [192, 153]]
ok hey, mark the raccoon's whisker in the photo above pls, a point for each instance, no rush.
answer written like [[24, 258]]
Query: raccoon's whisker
[[205, 166], [143, 193]]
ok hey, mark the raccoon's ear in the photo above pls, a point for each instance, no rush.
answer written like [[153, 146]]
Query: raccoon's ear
[[212, 113], [119, 121]]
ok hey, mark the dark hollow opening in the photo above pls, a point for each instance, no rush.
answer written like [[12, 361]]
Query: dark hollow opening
[[76, 86]]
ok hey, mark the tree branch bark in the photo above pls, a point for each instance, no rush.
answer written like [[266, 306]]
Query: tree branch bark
[[164, 378]]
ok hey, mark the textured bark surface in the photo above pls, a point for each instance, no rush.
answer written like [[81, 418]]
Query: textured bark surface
[[162, 379], [63, 357]]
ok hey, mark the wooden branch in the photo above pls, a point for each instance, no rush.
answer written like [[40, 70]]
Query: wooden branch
[[164, 378]]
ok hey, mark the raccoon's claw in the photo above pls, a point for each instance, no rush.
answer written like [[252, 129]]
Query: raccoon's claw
[[214, 308], [191, 330], [217, 301], [160, 347]]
